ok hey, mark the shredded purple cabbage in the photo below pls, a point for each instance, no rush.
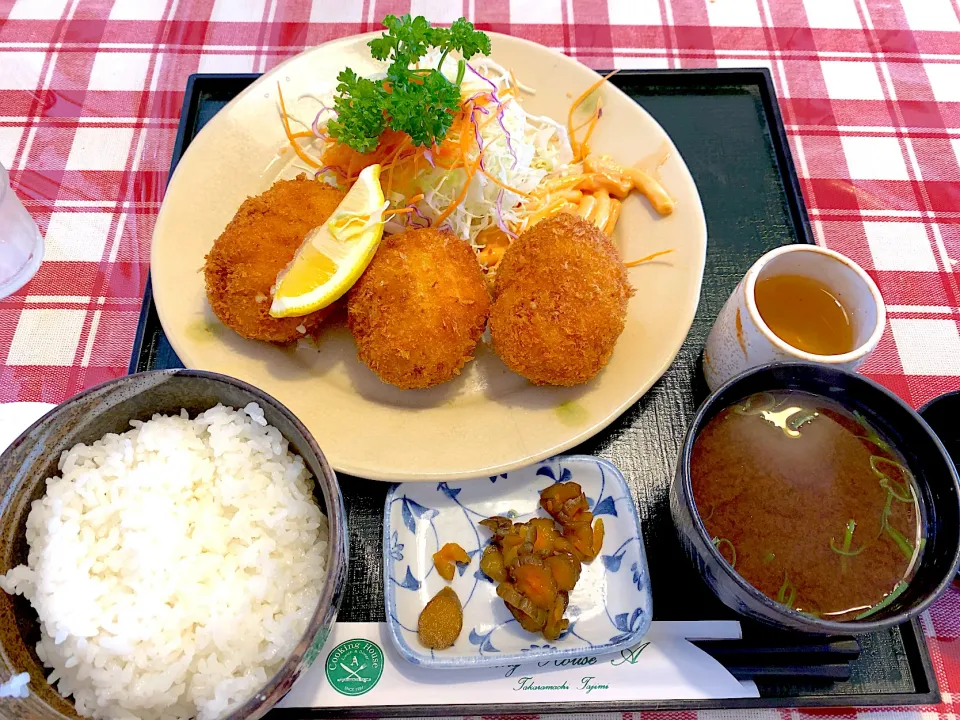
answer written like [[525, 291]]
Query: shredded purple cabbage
[[315, 125], [420, 215], [493, 95], [498, 211], [509, 138], [429, 156], [487, 80], [478, 137]]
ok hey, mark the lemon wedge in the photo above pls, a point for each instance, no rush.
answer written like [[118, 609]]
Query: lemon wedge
[[333, 256]]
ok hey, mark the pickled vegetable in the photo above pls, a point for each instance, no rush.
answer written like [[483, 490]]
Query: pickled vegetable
[[536, 583], [528, 623], [536, 564], [597, 536], [565, 569], [562, 545], [491, 563], [441, 620], [540, 522], [564, 501], [556, 623], [554, 496], [445, 560], [530, 617], [498, 524], [545, 536], [581, 538], [511, 549]]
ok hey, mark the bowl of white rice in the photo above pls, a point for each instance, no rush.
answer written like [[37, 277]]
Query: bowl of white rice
[[172, 545]]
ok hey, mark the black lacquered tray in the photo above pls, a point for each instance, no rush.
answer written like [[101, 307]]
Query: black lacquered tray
[[727, 126]]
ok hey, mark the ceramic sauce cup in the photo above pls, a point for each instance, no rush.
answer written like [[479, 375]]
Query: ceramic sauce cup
[[740, 339]]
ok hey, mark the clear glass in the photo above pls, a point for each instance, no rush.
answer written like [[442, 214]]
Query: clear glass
[[21, 245]]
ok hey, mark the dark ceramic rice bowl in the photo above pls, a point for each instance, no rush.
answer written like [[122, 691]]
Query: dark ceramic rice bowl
[[33, 457]]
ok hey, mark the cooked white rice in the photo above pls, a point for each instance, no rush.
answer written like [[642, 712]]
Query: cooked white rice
[[173, 567], [16, 686]]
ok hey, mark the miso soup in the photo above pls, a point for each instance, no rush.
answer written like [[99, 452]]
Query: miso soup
[[809, 504]]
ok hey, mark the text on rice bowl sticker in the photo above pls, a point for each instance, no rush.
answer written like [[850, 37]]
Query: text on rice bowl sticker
[[354, 667]]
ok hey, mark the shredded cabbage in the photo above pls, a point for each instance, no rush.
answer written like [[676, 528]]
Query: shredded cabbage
[[520, 149]]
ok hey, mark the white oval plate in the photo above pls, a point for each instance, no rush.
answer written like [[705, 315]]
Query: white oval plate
[[610, 608], [488, 420]]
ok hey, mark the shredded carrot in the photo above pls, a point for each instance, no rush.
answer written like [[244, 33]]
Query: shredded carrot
[[493, 116], [465, 137], [506, 187], [648, 258], [582, 125], [472, 170], [286, 128], [566, 182], [584, 146], [303, 134], [402, 162], [463, 193], [400, 148], [398, 164], [350, 168], [576, 103], [446, 148]]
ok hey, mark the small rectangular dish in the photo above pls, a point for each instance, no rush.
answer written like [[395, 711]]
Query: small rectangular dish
[[610, 607]]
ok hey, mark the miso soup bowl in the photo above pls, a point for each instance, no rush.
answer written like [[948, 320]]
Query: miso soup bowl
[[935, 475]]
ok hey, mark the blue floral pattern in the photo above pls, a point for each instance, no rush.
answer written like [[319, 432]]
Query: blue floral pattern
[[396, 548], [421, 517], [533, 647], [627, 625], [482, 641]]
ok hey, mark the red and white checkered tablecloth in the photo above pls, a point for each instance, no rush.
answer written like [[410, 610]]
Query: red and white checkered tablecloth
[[90, 96]]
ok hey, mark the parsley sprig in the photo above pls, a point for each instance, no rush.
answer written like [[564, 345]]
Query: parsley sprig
[[422, 103]]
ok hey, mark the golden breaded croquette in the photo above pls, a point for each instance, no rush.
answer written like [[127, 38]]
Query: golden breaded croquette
[[257, 244], [560, 302], [419, 309]]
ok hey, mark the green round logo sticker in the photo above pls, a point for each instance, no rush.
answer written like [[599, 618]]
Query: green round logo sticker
[[354, 667]]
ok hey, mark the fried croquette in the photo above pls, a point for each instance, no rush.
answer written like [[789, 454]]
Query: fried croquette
[[419, 309], [257, 244], [560, 302]]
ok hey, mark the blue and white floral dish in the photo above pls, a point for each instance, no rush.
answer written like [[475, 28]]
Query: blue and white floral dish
[[610, 608]]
